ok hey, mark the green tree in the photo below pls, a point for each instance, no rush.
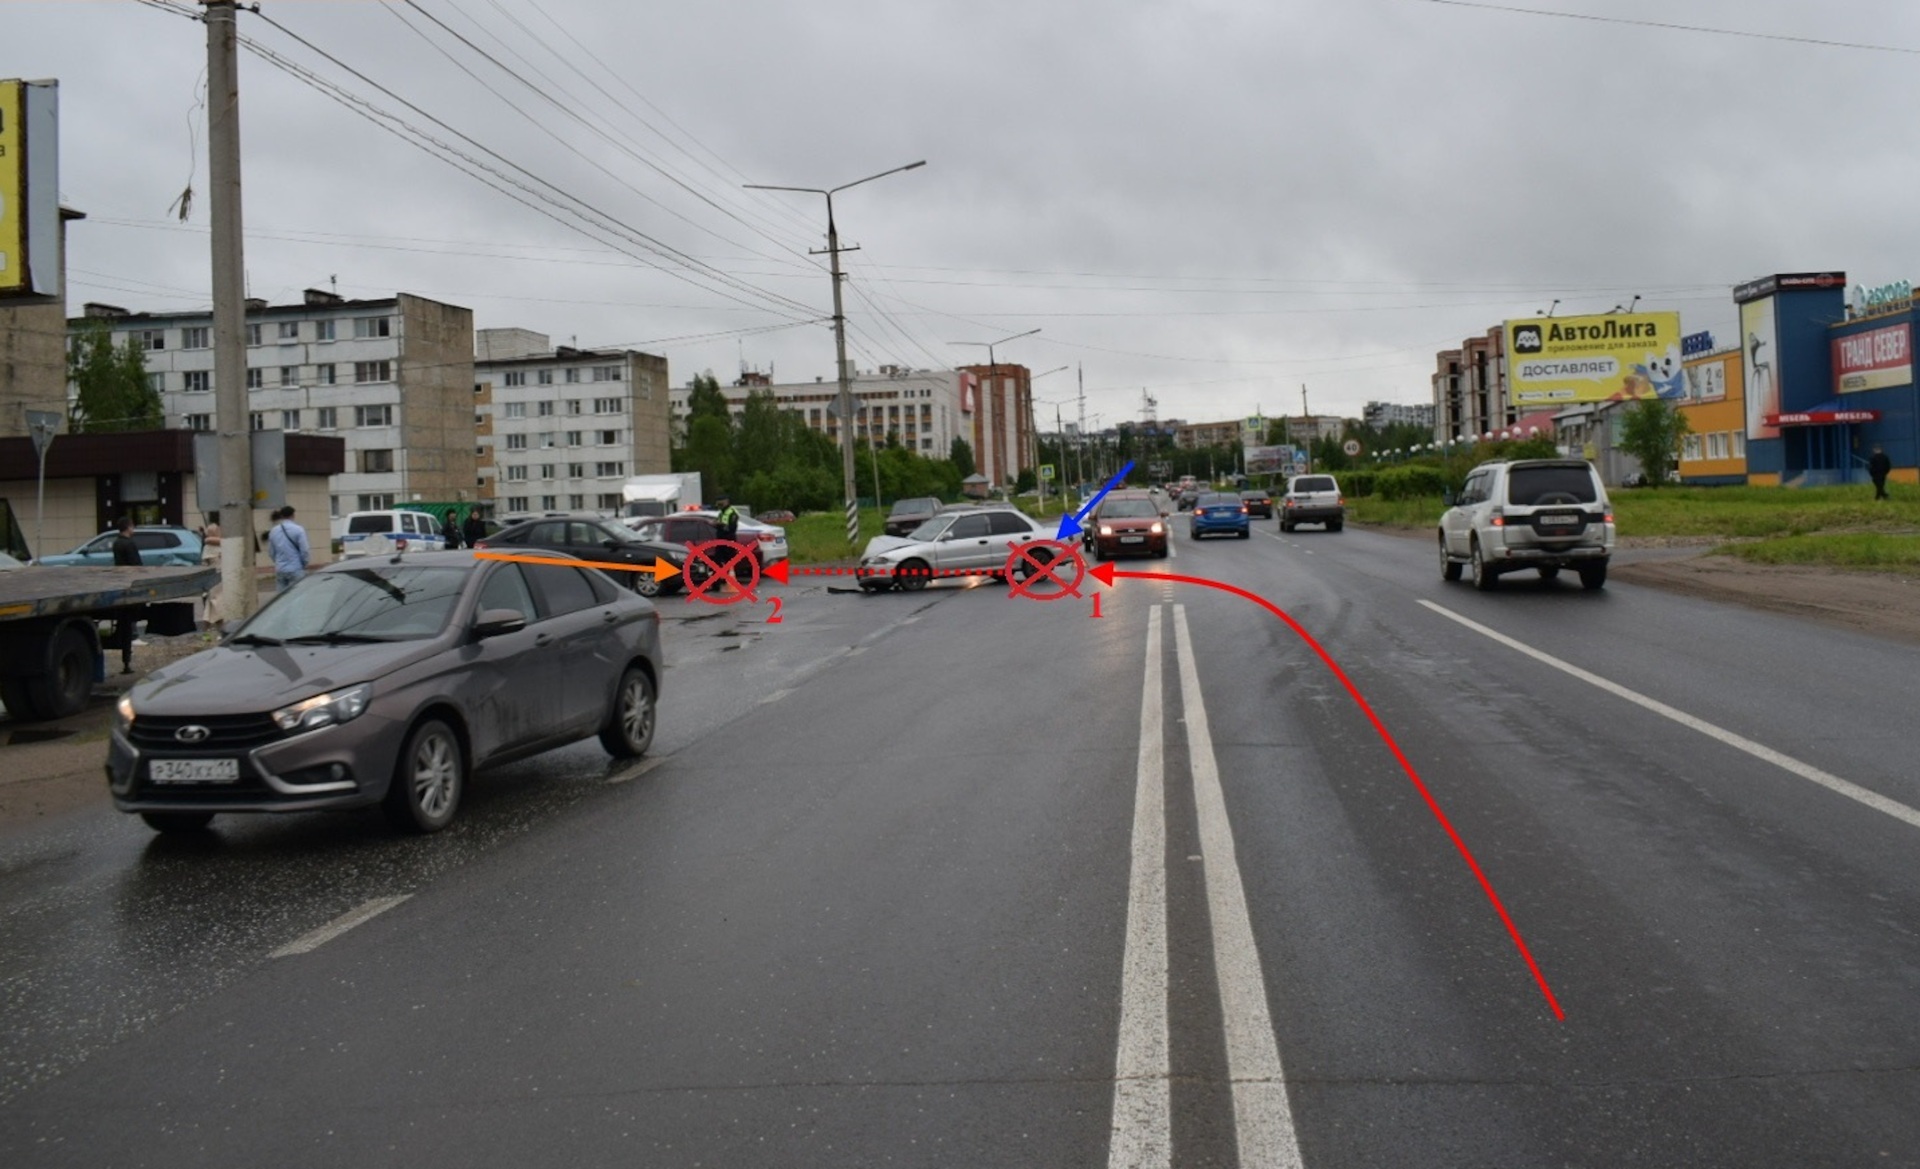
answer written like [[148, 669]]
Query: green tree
[[706, 400], [709, 450], [113, 393], [960, 454], [1651, 431]]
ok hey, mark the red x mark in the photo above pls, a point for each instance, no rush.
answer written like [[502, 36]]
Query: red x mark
[[1044, 560], [706, 590]]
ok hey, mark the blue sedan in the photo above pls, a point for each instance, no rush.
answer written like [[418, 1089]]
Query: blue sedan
[[1219, 513], [160, 546]]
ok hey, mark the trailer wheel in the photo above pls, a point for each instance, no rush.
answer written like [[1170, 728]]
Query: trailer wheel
[[68, 681]]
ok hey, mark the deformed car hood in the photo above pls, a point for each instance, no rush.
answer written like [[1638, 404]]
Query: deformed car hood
[[883, 544], [244, 679]]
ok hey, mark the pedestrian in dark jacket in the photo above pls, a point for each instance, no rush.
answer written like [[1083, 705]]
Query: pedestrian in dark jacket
[[126, 554], [450, 530], [1878, 468], [475, 529]]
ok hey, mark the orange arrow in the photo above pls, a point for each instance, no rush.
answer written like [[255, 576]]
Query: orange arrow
[[660, 569]]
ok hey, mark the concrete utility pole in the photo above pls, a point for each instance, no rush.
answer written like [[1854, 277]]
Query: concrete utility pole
[[239, 594], [840, 346], [1306, 421]]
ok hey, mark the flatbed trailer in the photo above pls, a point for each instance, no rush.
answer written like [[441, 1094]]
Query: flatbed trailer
[[50, 650]]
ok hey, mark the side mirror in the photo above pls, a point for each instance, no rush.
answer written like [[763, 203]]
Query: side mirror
[[609, 542], [494, 622]]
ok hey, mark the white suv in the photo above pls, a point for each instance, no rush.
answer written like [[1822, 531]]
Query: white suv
[[1546, 514]]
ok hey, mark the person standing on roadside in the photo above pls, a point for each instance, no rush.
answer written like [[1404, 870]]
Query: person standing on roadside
[[450, 530], [726, 522], [126, 554], [291, 555], [475, 529], [1878, 468], [210, 555]]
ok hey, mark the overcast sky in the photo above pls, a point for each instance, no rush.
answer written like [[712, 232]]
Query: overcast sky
[[1217, 202]]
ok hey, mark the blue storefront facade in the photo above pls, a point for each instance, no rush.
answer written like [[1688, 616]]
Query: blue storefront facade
[[1828, 377]]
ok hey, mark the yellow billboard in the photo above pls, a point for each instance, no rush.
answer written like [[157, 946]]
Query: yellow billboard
[[13, 191], [1557, 361]]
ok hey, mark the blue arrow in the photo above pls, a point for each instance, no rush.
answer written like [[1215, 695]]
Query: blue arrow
[[1070, 524]]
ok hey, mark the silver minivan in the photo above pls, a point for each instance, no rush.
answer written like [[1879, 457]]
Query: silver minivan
[[1544, 514]]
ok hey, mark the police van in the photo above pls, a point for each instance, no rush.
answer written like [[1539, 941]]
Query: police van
[[380, 533]]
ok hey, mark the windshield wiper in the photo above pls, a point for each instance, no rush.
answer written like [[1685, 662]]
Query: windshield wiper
[[334, 637], [252, 639]]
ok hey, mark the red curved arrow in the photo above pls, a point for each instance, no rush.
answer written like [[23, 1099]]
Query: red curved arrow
[[1106, 574]]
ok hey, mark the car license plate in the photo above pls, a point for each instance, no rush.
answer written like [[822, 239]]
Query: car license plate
[[1560, 521], [193, 770], [1133, 539]]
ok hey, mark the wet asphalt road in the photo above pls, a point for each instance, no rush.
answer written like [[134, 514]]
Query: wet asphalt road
[[878, 900]]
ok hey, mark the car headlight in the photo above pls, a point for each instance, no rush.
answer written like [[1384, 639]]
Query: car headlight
[[324, 710], [123, 712], [1106, 530], [1157, 528]]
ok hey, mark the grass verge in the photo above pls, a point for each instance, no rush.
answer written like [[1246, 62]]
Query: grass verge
[[1730, 512], [1881, 551]]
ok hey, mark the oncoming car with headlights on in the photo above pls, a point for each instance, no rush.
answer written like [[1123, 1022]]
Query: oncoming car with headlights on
[[388, 681]]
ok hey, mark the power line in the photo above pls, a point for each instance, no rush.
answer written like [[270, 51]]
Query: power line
[[1672, 27]]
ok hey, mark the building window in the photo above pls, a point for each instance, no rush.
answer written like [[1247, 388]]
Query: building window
[[289, 332], [1739, 444], [576, 470], [198, 421], [573, 438], [576, 502], [194, 338], [157, 382], [573, 375], [609, 406], [573, 405], [607, 502], [546, 470], [516, 377], [253, 334], [256, 420], [327, 417], [516, 503], [323, 330], [516, 474], [289, 419], [515, 410], [364, 327], [256, 379], [545, 408], [151, 338], [373, 415], [549, 503], [375, 462], [607, 437], [516, 442], [608, 470], [289, 375], [197, 381], [324, 374], [1690, 447], [372, 371], [333, 506], [544, 377], [549, 439], [378, 501], [606, 373]]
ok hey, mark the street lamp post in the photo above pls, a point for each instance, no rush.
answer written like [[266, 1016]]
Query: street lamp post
[[993, 371], [840, 339]]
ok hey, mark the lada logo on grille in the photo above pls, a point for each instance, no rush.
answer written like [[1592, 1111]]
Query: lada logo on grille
[[193, 733]]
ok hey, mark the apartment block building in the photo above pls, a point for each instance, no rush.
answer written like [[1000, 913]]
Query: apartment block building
[[1470, 388], [560, 428], [1380, 415], [393, 377]]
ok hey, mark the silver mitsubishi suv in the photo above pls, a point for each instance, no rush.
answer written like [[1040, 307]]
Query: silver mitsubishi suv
[[1545, 514]]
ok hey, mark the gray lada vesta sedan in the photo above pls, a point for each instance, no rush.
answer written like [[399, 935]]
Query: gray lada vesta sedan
[[387, 681]]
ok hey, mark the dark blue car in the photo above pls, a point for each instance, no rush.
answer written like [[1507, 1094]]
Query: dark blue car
[[1219, 513]]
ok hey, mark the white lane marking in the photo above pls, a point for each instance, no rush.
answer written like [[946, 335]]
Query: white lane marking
[[338, 926], [1826, 779], [636, 772], [777, 695], [1142, 1135], [1262, 1118]]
